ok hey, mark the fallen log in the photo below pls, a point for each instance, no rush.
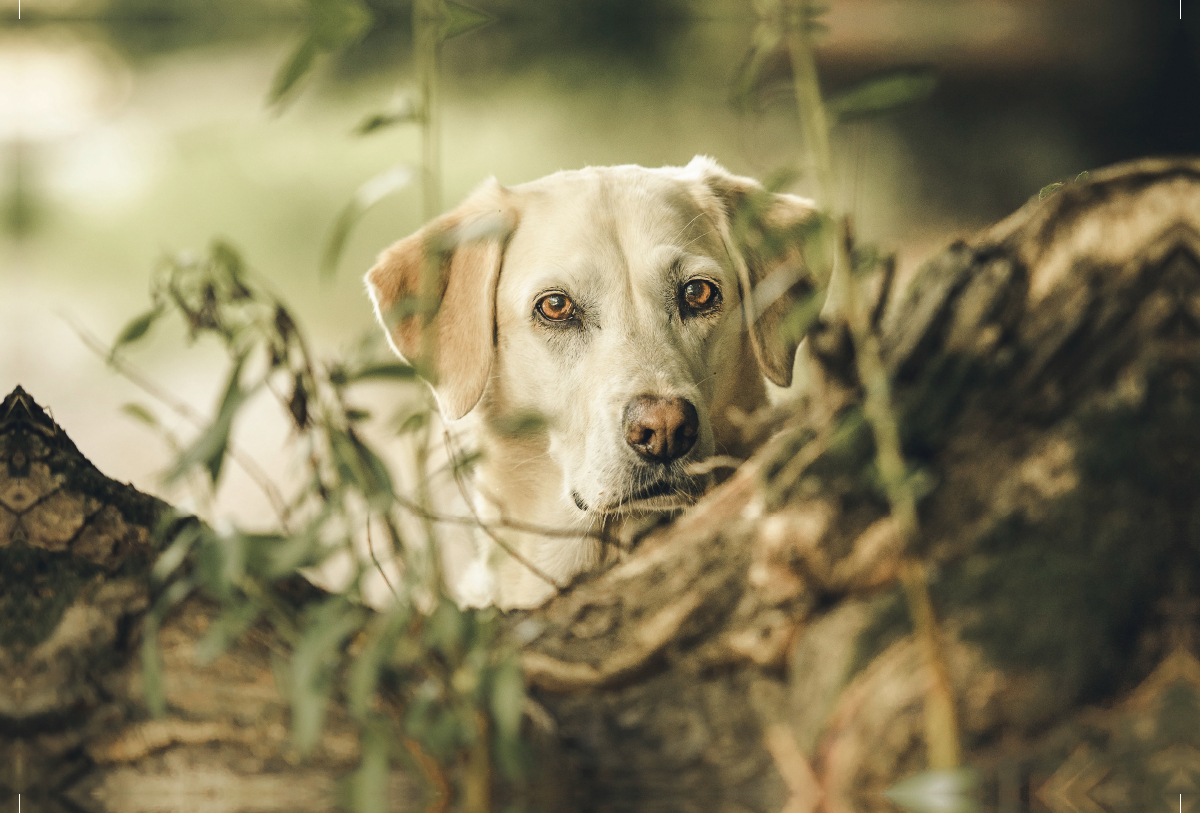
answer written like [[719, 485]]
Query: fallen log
[[757, 654]]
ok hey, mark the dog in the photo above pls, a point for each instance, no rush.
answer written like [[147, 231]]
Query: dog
[[631, 309]]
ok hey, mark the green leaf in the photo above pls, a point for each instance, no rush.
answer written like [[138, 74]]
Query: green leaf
[[520, 424], [222, 633], [176, 552], [140, 413], [209, 449], [333, 24], [337, 23], [765, 44], [292, 71], [279, 557], [411, 423], [446, 629], [458, 19], [507, 699], [363, 679], [367, 195], [369, 786], [152, 678], [402, 111], [221, 562], [391, 370], [135, 329], [883, 93], [152, 681], [230, 268], [314, 662], [381, 491]]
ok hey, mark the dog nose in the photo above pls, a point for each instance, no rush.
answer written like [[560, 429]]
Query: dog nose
[[661, 429]]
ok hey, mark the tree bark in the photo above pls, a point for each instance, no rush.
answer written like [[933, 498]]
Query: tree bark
[[757, 654], [75, 588]]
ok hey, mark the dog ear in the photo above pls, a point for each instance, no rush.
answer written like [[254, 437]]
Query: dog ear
[[435, 295], [764, 233]]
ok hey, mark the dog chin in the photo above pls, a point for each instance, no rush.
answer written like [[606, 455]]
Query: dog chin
[[663, 496], [652, 505]]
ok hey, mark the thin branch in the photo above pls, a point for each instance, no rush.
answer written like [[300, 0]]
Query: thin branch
[[185, 411], [534, 569], [375, 559]]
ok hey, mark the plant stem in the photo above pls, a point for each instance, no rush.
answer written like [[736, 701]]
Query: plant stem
[[427, 46], [941, 723]]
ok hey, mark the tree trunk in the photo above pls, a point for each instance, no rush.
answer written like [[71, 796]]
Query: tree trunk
[[757, 654]]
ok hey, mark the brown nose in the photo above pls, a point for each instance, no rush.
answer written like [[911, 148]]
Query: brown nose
[[661, 429]]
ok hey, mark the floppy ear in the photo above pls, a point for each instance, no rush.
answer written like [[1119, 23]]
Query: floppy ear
[[435, 293], [763, 233]]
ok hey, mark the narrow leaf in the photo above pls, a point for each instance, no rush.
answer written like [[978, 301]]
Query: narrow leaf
[[176, 552], [394, 370], [209, 449], [338, 23], [293, 70], [402, 111], [153, 690], [369, 786], [364, 674], [223, 632], [135, 329], [459, 19], [313, 663], [508, 699], [140, 413], [883, 93], [370, 193]]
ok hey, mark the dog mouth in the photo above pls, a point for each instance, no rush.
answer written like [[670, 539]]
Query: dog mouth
[[664, 494]]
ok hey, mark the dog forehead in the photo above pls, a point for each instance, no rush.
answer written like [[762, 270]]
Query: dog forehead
[[629, 201], [605, 215]]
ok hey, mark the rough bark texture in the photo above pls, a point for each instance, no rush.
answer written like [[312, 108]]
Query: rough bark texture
[[75, 587], [756, 656]]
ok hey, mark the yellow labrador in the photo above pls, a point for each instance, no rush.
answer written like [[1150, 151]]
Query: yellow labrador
[[616, 303]]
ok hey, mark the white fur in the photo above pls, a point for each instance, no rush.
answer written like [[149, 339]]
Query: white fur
[[619, 241]]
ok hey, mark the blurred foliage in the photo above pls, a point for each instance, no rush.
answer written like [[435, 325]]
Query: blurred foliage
[[423, 680], [422, 677]]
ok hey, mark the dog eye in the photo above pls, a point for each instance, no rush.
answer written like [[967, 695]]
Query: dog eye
[[700, 294], [556, 307]]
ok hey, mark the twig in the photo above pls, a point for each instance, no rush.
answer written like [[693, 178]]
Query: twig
[[507, 548], [433, 773], [375, 559], [941, 724], [185, 411]]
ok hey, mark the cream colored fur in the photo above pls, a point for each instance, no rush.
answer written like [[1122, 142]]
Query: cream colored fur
[[620, 242]]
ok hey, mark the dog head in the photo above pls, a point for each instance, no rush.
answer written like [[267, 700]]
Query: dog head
[[627, 306]]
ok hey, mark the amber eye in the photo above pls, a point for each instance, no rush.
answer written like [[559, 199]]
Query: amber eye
[[556, 307], [700, 294]]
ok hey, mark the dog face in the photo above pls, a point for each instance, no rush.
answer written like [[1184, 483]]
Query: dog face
[[614, 302]]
